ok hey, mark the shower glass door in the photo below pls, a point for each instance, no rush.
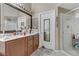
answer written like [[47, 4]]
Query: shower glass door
[[70, 26]]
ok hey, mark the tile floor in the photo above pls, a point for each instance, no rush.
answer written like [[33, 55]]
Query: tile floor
[[48, 52]]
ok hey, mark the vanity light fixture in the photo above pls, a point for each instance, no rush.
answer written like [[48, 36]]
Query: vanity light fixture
[[20, 5]]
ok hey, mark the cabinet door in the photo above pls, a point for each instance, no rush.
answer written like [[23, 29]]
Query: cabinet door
[[36, 41], [30, 45], [30, 50], [15, 47], [26, 46]]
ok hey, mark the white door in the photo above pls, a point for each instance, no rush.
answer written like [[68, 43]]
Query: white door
[[51, 17], [67, 32]]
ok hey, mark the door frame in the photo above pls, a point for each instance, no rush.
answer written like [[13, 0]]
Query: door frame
[[61, 35], [52, 12]]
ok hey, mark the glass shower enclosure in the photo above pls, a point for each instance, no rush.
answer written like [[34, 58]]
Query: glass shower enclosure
[[70, 32]]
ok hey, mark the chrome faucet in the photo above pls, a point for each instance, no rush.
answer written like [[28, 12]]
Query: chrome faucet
[[3, 33]]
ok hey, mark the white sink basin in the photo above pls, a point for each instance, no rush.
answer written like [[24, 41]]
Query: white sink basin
[[4, 36], [7, 37]]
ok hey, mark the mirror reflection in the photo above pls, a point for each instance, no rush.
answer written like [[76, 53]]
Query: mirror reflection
[[47, 30], [13, 19]]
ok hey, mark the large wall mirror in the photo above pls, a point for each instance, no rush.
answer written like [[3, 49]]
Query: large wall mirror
[[13, 19], [47, 30]]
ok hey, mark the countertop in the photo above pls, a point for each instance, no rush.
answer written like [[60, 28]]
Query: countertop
[[17, 36]]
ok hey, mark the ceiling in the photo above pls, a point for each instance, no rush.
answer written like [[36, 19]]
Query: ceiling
[[69, 5], [37, 7]]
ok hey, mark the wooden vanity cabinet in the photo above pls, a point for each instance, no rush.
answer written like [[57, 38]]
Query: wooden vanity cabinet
[[15, 47], [30, 45], [23, 46], [36, 41], [33, 43]]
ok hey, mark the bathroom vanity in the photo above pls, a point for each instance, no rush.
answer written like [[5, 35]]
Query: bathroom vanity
[[23, 45], [15, 19]]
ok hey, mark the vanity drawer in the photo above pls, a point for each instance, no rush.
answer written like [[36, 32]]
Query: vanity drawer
[[36, 36], [30, 41], [30, 38]]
